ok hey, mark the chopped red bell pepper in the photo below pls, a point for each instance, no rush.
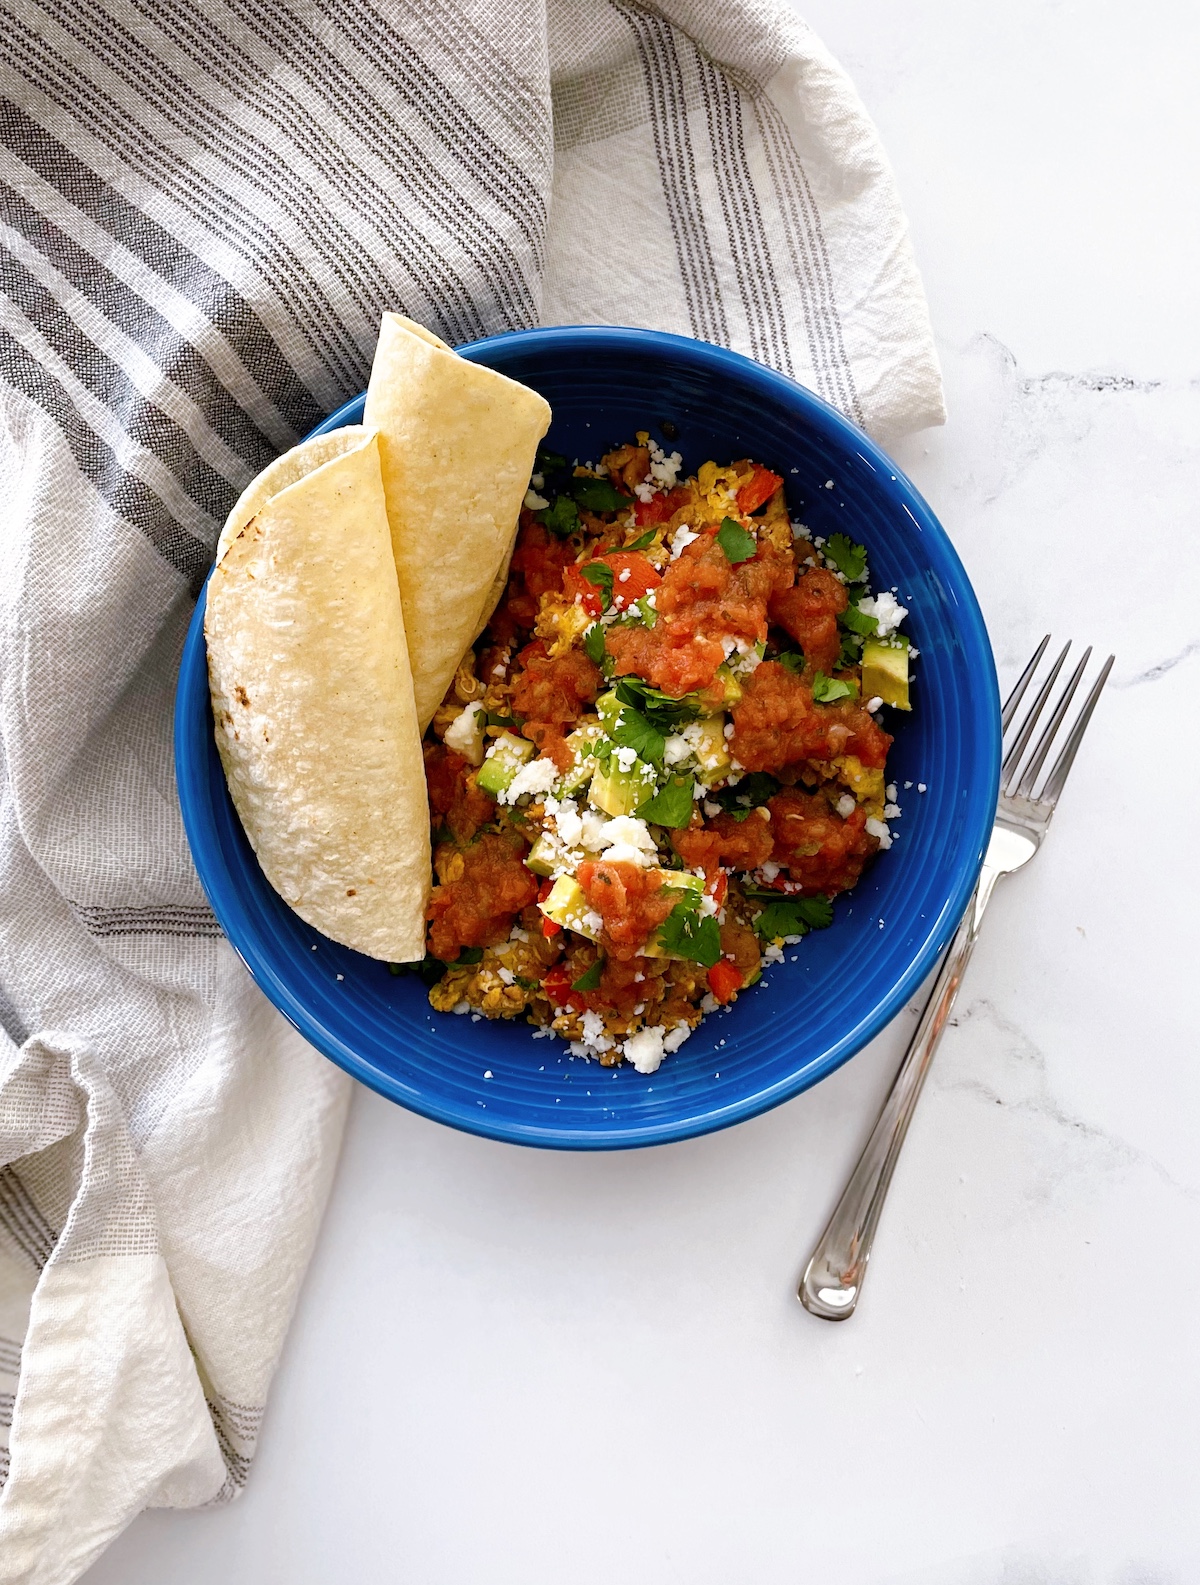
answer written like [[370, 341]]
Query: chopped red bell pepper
[[642, 577], [658, 509], [724, 979], [757, 491], [557, 986]]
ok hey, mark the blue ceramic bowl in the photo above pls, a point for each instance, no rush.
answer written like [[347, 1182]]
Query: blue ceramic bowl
[[840, 986]]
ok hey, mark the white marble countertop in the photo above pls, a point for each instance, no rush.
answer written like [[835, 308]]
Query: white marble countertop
[[515, 1366]]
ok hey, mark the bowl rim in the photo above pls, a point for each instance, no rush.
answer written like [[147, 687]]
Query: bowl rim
[[191, 772]]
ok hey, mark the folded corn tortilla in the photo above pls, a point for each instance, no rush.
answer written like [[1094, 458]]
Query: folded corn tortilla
[[457, 443], [291, 467], [312, 692]]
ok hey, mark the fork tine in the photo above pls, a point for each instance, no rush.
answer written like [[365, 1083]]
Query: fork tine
[[1042, 748], [1018, 693], [1057, 778], [1013, 758]]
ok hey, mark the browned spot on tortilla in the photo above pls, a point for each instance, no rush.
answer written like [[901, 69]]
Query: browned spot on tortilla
[[350, 892], [242, 697]]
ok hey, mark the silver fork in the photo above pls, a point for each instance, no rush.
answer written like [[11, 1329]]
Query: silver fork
[[833, 1278]]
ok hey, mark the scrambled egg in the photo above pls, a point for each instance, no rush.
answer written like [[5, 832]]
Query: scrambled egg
[[561, 623], [866, 785]]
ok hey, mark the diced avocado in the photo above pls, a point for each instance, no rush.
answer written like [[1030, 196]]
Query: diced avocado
[[885, 671], [707, 737], [608, 708], [733, 688], [579, 742], [567, 905], [619, 792], [542, 856], [504, 759]]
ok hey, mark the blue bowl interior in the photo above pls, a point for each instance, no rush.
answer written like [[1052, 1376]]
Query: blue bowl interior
[[839, 986]]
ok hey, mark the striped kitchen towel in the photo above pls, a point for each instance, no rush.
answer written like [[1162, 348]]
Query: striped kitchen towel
[[204, 207]]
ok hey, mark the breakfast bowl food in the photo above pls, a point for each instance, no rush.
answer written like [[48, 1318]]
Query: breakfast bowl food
[[700, 413]]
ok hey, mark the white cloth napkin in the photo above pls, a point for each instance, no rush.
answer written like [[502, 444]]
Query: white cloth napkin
[[204, 209]]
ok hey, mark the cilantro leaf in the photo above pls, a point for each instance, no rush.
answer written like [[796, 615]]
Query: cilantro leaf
[[684, 931], [632, 730], [858, 621], [642, 542], [793, 661], [589, 980], [598, 495], [756, 787], [671, 805], [561, 517], [492, 719], [429, 968], [849, 559], [793, 916], [647, 612], [662, 710], [601, 574], [549, 462], [827, 689], [593, 643], [851, 651], [737, 543]]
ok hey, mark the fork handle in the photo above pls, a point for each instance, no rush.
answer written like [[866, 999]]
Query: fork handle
[[833, 1278]]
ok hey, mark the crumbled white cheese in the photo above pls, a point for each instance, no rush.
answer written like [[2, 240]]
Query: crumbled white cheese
[[538, 776], [711, 809], [890, 793], [745, 658], [591, 826], [874, 703], [920, 786], [593, 1030], [507, 976], [626, 758], [709, 1004], [664, 469], [846, 805], [625, 574], [886, 609], [772, 954], [626, 837], [464, 735], [592, 923], [645, 1049], [727, 730], [891, 811], [569, 822], [675, 749], [680, 540], [534, 501], [770, 870], [674, 1038], [876, 828]]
